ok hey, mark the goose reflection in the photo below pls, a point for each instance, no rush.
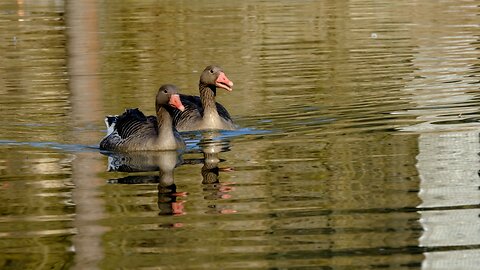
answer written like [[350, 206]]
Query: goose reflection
[[211, 145], [164, 162]]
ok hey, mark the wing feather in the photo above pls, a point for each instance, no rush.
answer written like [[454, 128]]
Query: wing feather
[[194, 111], [134, 121]]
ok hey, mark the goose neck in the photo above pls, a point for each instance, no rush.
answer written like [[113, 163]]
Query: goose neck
[[207, 96]]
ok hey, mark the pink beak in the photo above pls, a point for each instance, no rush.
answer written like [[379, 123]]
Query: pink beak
[[176, 102], [223, 82]]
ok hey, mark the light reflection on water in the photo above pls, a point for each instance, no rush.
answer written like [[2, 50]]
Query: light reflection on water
[[358, 147]]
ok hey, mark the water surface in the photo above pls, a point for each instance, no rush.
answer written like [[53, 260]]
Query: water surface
[[358, 145]]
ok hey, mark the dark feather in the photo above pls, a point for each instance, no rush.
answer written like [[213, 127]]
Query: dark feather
[[133, 121], [194, 111], [110, 120]]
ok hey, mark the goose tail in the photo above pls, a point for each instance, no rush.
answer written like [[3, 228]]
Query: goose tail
[[110, 122]]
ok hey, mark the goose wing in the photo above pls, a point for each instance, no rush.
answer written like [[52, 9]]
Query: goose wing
[[193, 110], [133, 121]]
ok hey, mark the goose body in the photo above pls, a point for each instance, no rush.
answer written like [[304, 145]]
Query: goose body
[[202, 112], [133, 131]]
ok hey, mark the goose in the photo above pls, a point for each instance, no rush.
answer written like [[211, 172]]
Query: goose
[[202, 112], [133, 131]]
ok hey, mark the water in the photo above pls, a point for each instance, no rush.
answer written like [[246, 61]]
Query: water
[[358, 145]]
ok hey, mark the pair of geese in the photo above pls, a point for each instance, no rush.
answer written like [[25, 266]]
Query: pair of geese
[[133, 131]]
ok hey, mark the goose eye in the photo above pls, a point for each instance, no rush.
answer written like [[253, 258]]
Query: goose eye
[[165, 91], [211, 71]]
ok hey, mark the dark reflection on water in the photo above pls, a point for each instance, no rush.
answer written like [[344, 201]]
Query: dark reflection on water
[[165, 163], [358, 147]]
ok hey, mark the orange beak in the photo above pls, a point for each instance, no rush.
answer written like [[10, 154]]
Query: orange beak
[[223, 82], [176, 102]]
